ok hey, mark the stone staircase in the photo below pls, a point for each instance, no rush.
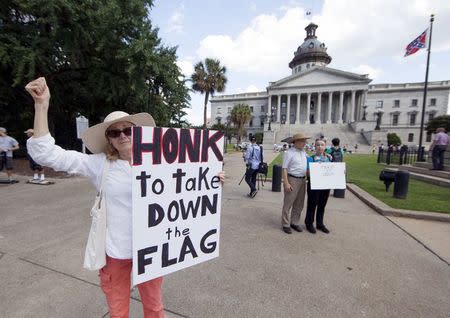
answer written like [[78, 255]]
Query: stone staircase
[[342, 131]]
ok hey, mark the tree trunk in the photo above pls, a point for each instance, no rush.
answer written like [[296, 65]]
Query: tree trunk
[[205, 109]]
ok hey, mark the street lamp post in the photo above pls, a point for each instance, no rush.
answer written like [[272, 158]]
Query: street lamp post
[[272, 109], [379, 114], [226, 134], [364, 112]]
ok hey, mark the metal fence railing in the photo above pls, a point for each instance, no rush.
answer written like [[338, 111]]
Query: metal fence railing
[[400, 156]]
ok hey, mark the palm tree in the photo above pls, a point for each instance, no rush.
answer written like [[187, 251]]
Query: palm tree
[[208, 78], [240, 115]]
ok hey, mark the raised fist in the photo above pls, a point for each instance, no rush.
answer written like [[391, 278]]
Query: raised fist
[[39, 90]]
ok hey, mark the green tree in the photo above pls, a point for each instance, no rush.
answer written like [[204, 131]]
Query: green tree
[[393, 139], [240, 116], [97, 56], [208, 78], [440, 121]]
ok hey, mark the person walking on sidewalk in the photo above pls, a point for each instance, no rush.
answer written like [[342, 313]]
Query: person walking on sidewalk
[[317, 199], [111, 141], [438, 147], [294, 183], [252, 158]]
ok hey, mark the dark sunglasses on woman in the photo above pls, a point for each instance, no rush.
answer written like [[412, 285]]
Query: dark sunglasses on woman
[[115, 133]]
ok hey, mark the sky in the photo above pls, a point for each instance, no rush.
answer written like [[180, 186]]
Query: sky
[[256, 40]]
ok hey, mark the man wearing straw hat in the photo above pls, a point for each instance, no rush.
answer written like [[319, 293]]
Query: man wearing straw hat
[[294, 182]]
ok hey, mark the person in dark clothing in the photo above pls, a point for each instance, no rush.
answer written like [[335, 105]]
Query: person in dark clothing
[[317, 199]]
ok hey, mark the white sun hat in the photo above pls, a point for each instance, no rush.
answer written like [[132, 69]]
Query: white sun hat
[[94, 137]]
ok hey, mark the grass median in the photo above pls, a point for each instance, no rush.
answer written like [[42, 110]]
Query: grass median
[[364, 171]]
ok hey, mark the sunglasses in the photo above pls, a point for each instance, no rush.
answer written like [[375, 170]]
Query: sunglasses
[[115, 133]]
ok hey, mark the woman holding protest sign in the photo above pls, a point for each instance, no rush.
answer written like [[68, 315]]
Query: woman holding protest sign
[[110, 142], [317, 199]]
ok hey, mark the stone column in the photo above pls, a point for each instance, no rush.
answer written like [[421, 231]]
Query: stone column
[[330, 105], [363, 102], [297, 121], [308, 105], [352, 108], [269, 109], [341, 107], [288, 110], [278, 109], [319, 107]]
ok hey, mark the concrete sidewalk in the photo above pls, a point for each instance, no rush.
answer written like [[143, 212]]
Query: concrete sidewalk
[[366, 267]]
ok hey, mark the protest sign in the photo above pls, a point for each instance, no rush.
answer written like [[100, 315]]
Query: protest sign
[[327, 175], [176, 199]]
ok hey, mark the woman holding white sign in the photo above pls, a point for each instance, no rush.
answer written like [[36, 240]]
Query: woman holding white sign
[[317, 199], [110, 143]]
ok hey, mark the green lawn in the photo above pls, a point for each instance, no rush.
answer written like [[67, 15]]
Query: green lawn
[[364, 171], [277, 161]]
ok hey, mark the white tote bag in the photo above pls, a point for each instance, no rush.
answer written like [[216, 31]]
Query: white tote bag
[[95, 254]]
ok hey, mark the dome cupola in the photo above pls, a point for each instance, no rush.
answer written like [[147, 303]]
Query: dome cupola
[[312, 52]]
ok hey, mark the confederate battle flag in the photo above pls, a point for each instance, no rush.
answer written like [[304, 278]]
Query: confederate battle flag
[[417, 44]]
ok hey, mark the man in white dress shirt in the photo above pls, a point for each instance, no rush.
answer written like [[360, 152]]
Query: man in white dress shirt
[[294, 182]]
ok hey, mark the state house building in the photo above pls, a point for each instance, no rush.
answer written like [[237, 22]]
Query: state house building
[[320, 100]]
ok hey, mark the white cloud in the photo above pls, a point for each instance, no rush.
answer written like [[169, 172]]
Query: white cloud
[[374, 73], [176, 20], [265, 47], [356, 35], [250, 89], [186, 67], [253, 6]]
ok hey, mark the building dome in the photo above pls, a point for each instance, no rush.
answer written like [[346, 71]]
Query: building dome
[[311, 52]]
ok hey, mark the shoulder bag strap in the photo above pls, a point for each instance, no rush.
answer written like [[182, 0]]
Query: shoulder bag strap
[[104, 174]]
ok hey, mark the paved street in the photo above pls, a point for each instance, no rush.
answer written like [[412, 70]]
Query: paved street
[[366, 267]]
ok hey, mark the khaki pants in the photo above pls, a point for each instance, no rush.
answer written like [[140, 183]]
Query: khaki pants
[[293, 202]]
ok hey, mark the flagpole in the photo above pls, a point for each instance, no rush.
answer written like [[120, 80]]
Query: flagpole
[[420, 150]]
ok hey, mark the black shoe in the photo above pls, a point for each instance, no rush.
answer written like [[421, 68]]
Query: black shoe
[[287, 230], [253, 193], [323, 228], [296, 227], [311, 228]]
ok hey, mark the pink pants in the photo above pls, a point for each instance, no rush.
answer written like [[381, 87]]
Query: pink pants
[[115, 282]]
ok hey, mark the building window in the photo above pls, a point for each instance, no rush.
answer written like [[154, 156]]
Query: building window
[[410, 137], [397, 103], [379, 104], [250, 124], [219, 120], [262, 122], [414, 103], [433, 102], [219, 110], [263, 109], [229, 110], [251, 109], [412, 119], [430, 116], [395, 120], [428, 137]]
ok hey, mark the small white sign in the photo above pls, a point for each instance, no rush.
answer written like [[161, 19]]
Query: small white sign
[[176, 199], [82, 125], [327, 175]]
